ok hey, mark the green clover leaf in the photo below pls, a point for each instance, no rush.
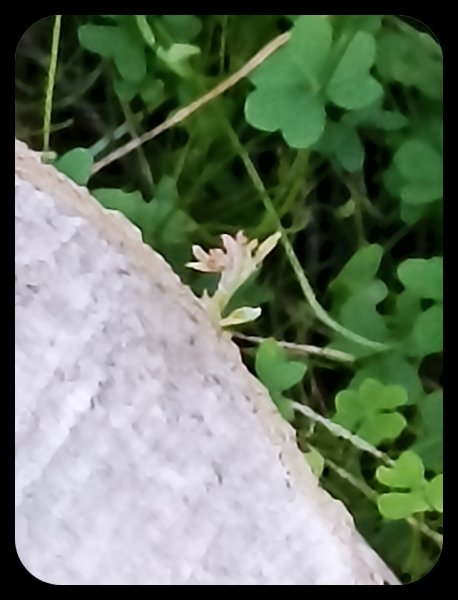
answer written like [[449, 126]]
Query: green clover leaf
[[160, 220], [150, 90], [278, 374], [424, 277], [181, 28], [359, 313], [420, 167], [396, 505], [434, 493], [76, 164], [302, 124], [351, 85], [390, 369], [274, 369], [292, 86], [423, 329], [342, 143], [370, 412], [177, 57], [287, 84], [356, 293], [428, 332], [358, 272], [375, 116], [163, 225], [118, 43], [408, 474], [412, 60], [429, 445]]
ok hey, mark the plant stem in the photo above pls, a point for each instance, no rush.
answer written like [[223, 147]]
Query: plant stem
[[184, 113], [341, 432], [145, 30], [302, 348], [51, 82], [371, 495], [307, 290]]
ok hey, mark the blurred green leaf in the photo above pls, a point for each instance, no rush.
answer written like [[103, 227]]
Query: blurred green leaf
[[343, 143], [160, 220], [315, 461], [423, 276], [76, 164], [286, 98], [370, 411], [182, 28], [117, 43], [419, 495], [411, 60], [284, 405], [429, 445], [427, 334], [421, 168], [408, 472], [351, 85], [390, 369], [274, 369], [434, 493], [401, 506], [358, 271]]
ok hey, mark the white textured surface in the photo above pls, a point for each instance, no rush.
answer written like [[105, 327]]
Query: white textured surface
[[145, 452]]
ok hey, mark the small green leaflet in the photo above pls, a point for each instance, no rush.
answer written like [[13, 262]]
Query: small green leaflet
[[278, 374]]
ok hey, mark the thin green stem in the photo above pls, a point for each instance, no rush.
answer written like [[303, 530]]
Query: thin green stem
[[144, 164], [343, 433], [288, 190], [51, 82], [307, 289], [116, 135], [222, 48], [302, 348], [145, 30], [365, 489], [415, 523]]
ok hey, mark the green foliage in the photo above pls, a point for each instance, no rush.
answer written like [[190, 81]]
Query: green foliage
[[429, 443], [412, 59], [341, 143], [133, 48], [343, 126], [356, 292], [420, 495], [119, 43], [315, 461], [390, 369], [420, 167], [371, 411], [351, 85], [159, 219], [76, 164], [278, 374], [294, 86], [162, 223], [286, 97], [427, 334], [423, 277]]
